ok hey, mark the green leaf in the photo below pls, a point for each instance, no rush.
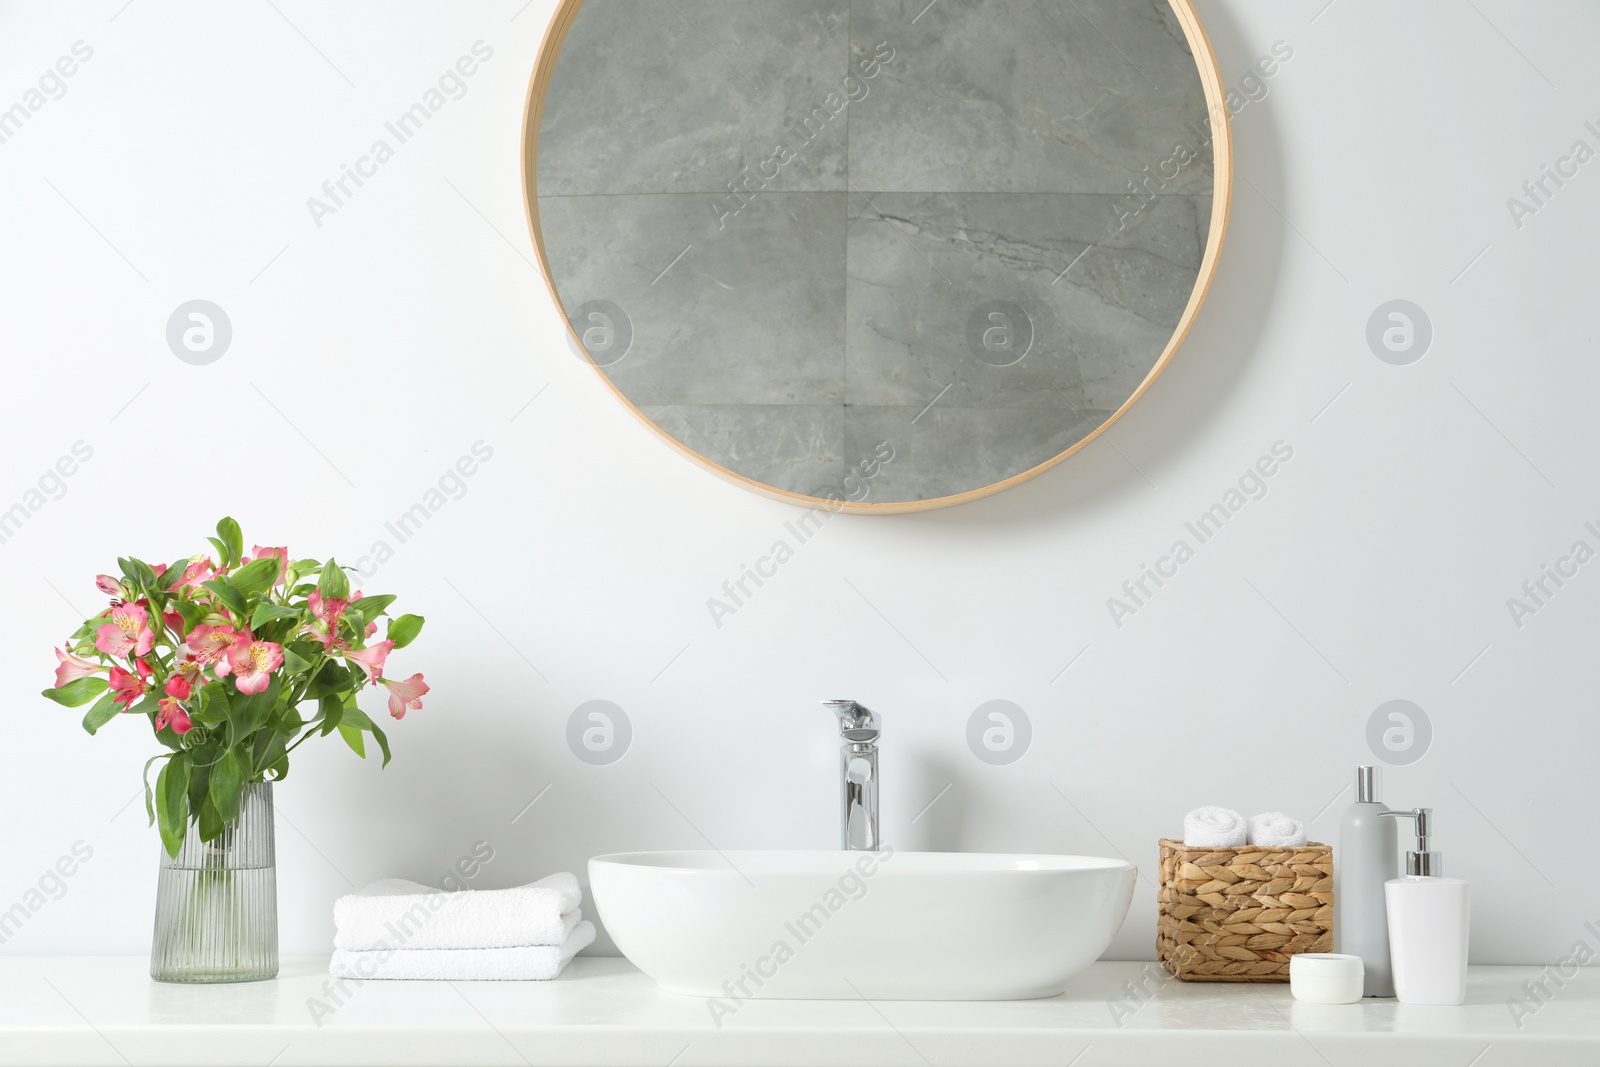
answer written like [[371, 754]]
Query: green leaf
[[330, 709], [211, 824], [192, 613], [149, 797], [356, 717], [148, 706], [334, 582], [138, 573], [172, 803], [213, 708], [267, 611], [200, 761], [370, 607], [383, 743], [232, 541], [404, 630], [78, 692], [332, 678], [105, 709], [227, 594], [256, 576], [293, 662], [270, 754], [222, 549], [353, 738], [228, 776], [248, 711], [173, 574]]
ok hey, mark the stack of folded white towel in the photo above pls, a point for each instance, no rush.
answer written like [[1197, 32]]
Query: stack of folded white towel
[[400, 929], [1215, 827]]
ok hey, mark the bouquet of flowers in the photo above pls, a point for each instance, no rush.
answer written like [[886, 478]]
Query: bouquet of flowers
[[226, 658]]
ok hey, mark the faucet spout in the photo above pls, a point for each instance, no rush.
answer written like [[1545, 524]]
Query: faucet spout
[[859, 729]]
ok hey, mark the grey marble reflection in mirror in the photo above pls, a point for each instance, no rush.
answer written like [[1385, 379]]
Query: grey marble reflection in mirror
[[888, 252]]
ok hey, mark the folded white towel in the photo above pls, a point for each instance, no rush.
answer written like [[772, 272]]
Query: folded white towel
[[528, 963], [1213, 827], [1274, 829], [396, 914]]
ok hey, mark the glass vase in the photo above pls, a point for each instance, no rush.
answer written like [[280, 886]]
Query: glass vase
[[217, 901]]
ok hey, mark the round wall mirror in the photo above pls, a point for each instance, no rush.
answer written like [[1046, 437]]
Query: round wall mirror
[[889, 255]]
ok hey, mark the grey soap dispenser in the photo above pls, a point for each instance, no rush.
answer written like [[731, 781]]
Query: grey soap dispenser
[[1368, 857]]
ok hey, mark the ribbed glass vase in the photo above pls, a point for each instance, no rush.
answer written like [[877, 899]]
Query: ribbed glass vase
[[217, 902]]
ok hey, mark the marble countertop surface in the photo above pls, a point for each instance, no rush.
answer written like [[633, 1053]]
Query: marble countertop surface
[[105, 1010]]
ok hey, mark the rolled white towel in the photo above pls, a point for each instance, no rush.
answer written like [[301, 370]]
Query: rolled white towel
[[528, 963], [397, 914], [1274, 829], [1213, 827]]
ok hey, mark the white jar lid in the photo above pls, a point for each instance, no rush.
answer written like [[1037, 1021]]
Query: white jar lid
[[1325, 965]]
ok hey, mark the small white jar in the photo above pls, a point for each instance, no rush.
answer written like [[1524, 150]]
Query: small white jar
[[1325, 977]]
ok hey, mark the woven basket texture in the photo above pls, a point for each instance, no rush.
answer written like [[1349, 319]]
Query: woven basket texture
[[1238, 914]]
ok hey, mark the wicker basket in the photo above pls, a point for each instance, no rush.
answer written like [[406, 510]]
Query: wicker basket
[[1238, 914]]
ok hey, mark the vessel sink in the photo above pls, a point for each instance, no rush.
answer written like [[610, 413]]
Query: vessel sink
[[850, 925]]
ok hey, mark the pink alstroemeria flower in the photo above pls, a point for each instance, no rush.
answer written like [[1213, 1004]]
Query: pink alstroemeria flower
[[251, 662], [127, 686], [110, 586], [198, 570], [174, 621], [328, 611], [186, 672], [170, 713], [70, 668], [371, 659], [330, 639], [406, 694], [210, 644], [372, 627], [281, 554], [128, 632]]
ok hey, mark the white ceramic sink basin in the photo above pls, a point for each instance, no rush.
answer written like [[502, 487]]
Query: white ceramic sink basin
[[851, 925]]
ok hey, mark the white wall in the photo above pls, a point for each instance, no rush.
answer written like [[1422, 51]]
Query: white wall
[[369, 353]]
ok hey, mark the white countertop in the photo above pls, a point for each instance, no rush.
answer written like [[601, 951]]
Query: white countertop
[[105, 1010]]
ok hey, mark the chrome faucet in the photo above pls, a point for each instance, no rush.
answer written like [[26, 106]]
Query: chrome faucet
[[858, 776]]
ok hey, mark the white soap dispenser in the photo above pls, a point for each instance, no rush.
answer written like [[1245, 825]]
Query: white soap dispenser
[[1428, 923]]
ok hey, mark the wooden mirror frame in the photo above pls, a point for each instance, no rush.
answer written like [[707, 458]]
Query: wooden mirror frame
[[1221, 199]]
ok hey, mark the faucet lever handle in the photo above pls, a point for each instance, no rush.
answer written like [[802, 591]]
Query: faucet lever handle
[[857, 723]]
